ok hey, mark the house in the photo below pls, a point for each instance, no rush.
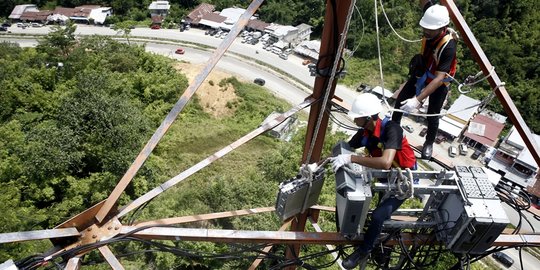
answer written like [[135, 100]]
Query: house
[[35, 16], [482, 132], [256, 25], [513, 160], [309, 48], [83, 14], [99, 14], [460, 113], [233, 15], [159, 8], [196, 15], [304, 32], [284, 33], [18, 11], [212, 20]]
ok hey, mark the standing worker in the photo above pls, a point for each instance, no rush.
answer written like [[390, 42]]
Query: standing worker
[[429, 71], [387, 147]]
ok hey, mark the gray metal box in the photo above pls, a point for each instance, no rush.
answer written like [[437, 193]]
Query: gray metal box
[[353, 196], [470, 227], [293, 193]]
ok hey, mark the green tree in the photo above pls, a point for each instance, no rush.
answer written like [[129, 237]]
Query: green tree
[[60, 40], [124, 28]]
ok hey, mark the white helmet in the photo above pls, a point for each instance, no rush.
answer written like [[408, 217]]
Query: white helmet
[[435, 17], [365, 105]]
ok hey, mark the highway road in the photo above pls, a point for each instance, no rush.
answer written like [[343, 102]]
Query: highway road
[[293, 66]]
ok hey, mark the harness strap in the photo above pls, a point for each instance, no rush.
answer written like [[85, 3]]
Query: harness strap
[[441, 45]]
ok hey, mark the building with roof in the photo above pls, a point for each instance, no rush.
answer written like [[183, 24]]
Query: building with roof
[[159, 8], [196, 15], [459, 115], [232, 15], [304, 32], [212, 20], [81, 14], [514, 161], [309, 49], [18, 11], [35, 16], [99, 14], [482, 132], [285, 33], [256, 25]]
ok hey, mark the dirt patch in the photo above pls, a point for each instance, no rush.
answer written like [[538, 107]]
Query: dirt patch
[[213, 97]]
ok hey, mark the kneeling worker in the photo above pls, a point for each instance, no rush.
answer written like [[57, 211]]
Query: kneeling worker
[[387, 147]]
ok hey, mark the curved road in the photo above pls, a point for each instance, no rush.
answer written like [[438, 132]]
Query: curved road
[[292, 67]]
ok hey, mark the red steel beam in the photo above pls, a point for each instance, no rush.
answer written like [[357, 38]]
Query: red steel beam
[[175, 111], [110, 258], [334, 25], [194, 218], [288, 237], [494, 80]]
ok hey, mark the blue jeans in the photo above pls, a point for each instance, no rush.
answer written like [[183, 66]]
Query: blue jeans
[[382, 213]]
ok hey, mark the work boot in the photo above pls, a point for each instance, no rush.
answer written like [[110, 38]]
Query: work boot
[[427, 150], [354, 259]]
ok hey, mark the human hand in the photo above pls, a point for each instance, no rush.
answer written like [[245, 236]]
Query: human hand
[[340, 160], [410, 105]]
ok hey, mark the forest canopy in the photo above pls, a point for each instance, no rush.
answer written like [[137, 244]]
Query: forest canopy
[[508, 32]]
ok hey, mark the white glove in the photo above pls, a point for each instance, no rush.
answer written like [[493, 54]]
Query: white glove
[[340, 161], [410, 105]]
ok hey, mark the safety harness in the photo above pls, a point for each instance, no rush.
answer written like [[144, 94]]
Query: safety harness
[[380, 145], [433, 61]]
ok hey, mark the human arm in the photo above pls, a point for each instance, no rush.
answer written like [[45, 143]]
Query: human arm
[[432, 86], [382, 162]]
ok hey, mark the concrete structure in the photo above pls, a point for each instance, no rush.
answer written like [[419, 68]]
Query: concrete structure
[[160, 8], [304, 32], [514, 161]]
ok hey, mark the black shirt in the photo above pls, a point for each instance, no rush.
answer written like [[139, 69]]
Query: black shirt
[[449, 52], [391, 138]]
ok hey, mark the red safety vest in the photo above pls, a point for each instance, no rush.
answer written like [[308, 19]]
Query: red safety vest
[[432, 56], [404, 158]]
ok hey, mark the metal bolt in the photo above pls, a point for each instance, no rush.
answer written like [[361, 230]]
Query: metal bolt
[[116, 228], [89, 229], [109, 228], [94, 236]]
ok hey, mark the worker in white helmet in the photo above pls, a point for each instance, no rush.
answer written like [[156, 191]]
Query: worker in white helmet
[[387, 147], [430, 71]]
